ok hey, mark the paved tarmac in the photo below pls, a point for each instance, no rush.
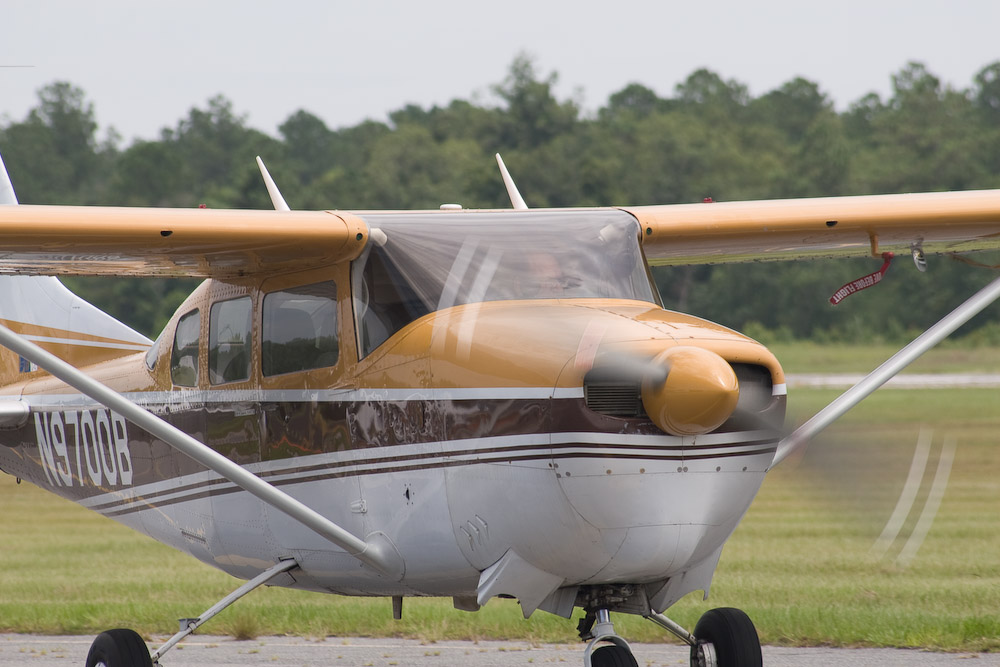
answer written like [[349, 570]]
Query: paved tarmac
[[39, 651]]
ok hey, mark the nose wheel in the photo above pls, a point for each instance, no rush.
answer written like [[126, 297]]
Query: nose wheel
[[597, 627], [612, 656], [725, 637]]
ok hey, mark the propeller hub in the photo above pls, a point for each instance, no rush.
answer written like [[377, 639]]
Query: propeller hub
[[699, 393]]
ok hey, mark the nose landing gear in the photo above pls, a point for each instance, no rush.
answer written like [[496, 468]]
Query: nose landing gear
[[597, 627], [723, 637]]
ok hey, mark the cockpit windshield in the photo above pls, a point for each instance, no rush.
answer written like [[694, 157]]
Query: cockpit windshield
[[417, 263]]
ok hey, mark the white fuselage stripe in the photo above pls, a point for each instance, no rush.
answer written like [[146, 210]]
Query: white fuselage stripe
[[198, 396]]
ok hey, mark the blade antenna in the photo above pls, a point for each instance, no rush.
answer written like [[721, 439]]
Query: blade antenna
[[515, 197], [276, 199], [7, 196]]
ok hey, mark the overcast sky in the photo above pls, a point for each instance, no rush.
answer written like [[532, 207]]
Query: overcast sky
[[145, 64]]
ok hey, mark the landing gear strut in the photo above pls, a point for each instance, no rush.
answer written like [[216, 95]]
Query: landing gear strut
[[597, 627], [125, 648], [724, 637]]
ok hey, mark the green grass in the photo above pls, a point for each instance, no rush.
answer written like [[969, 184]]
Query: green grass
[[798, 563], [808, 357]]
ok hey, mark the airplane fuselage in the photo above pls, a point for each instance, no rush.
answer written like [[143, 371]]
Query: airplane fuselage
[[508, 436]]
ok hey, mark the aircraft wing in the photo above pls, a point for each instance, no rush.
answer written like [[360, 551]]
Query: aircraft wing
[[227, 243], [822, 227], [91, 240]]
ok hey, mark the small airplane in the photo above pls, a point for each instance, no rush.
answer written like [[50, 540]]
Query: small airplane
[[453, 403]]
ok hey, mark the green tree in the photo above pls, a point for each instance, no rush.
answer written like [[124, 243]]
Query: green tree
[[217, 151], [632, 102], [54, 153], [793, 108], [148, 173], [309, 144], [707, 93], [921, 140], [533, 114]]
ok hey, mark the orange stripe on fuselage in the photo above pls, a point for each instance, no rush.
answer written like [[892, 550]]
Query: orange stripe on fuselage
[[88, 351], [27, 329]]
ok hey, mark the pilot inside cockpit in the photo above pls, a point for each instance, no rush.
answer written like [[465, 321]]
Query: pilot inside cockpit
[[542, 276]]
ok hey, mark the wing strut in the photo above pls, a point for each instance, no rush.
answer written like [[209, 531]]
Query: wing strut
[[377, 552], [897, 362]]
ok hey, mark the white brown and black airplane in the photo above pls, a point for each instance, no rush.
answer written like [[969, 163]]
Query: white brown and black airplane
[[452, 403]]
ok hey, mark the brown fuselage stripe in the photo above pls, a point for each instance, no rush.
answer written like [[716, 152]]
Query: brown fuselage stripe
[[610, 451], [283, 430], [149, 502]]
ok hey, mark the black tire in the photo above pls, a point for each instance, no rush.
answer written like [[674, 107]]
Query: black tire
[[119, 648], [732, 634], [612, 656]]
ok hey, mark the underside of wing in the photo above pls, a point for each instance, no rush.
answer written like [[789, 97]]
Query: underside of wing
[[84, 240], [821, 227]]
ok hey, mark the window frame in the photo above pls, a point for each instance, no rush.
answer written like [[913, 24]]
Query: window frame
[[218, 376], [330, 295], [177, 355]]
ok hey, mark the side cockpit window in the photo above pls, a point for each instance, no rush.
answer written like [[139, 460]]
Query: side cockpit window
[[384, 301], [184, 355], [300, 329], [229, 341]]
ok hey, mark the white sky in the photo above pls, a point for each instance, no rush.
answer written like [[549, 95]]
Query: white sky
[[144, 64]]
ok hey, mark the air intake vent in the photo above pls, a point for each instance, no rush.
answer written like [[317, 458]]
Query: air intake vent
[[616, 399], [755, 386]]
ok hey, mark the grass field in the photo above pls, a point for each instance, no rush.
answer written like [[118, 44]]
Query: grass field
[[799, 563], [808, 357]]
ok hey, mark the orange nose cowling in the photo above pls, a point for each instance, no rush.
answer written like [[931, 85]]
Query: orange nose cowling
[[699, 394]]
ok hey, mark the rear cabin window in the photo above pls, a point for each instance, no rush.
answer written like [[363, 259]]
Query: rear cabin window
[[229, 341], [300, 329], [184, 355]]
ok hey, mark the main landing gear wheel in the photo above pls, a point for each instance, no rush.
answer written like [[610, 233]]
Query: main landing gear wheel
[[119, 648], [725, 637], [612, 656]]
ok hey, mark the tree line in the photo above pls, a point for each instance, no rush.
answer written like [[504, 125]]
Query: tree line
[[710, 138]]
